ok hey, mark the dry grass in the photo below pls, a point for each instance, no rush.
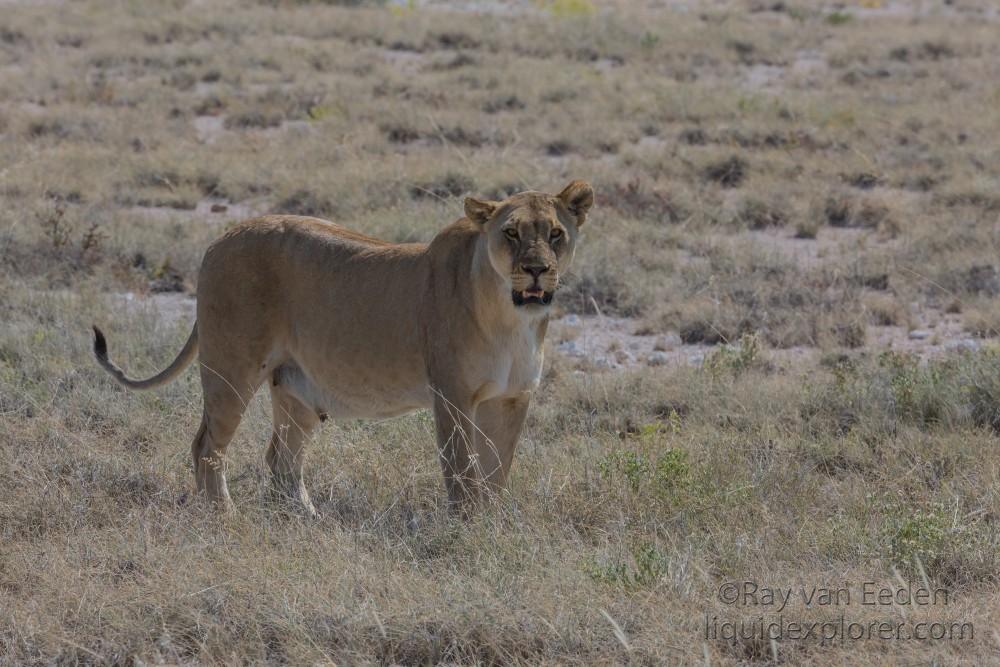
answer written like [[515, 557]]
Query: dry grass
[[788, 178]]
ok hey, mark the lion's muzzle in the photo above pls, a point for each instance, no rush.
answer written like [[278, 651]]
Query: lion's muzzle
[[535, 283], [534, 295]]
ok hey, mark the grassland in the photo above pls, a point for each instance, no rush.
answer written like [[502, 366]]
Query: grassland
[[812, 180]]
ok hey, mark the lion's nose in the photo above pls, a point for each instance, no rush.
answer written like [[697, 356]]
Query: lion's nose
[[535, 269]]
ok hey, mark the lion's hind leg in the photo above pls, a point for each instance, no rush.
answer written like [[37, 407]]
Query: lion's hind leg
[[208, 451], [224, 407], [293, 423]]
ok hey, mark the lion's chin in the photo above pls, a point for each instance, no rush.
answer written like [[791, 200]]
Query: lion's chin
[[531, 296]]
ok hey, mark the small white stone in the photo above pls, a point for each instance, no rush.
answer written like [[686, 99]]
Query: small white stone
[[658, 359], [571, 348], [964, 345], [920, 334]]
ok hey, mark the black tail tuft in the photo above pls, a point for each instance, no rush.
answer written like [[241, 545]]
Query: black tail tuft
[[100, 344]]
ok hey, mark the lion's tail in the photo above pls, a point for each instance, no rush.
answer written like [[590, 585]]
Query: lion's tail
[[185, 357]]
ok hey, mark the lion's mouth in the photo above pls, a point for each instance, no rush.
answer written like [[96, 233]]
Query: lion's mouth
[[532, 295]]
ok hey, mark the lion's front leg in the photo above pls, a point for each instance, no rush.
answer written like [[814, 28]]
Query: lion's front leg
[[499, 423], [455, 436]]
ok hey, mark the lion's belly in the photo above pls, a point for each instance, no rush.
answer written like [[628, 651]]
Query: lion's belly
[[363, 398]]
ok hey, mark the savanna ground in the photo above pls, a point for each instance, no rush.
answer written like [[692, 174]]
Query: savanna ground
[[795, 247]]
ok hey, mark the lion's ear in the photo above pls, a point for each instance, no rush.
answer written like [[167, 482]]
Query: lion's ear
[[578, 197], [479, 210]]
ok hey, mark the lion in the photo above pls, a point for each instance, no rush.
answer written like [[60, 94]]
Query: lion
[[344, 325]]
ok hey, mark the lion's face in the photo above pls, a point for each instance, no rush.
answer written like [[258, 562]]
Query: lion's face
[[531, 238]]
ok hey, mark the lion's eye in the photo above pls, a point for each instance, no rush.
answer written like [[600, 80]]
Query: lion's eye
[[556, 234], [510, 233]]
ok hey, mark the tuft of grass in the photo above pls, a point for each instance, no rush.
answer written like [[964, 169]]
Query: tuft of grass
[[885, 310], [729, 173], [839, 18], [306, 202], [759, 214], [735, 359], [807, 228], [252, 120], [982, 319], [451, 184], [569, 8]]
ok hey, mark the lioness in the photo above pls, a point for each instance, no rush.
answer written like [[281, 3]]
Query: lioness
[[345, 325]]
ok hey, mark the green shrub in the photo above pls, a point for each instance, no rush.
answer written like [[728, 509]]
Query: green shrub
[[672, 469], [735, 359], [630, 466], [642, 567]]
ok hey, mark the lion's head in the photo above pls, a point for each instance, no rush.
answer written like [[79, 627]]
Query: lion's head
[[531, 238]]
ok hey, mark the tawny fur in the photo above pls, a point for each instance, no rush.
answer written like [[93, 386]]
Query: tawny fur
[[343, 325]]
